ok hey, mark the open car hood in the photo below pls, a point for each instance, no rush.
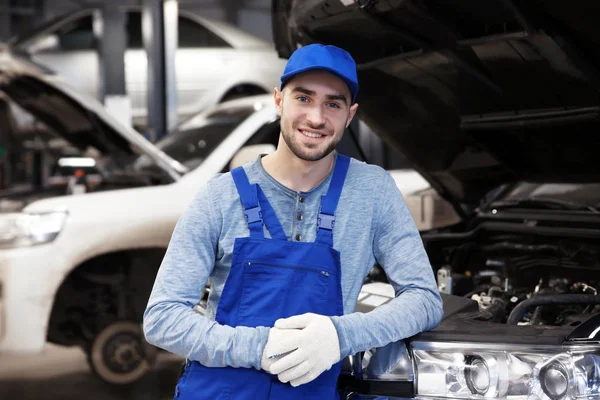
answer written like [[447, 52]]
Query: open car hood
[[475, 94], [80, 120]]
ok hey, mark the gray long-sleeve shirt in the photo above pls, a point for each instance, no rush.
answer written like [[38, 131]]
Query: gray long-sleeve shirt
[[373, 225]]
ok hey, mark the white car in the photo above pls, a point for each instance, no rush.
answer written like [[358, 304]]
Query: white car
[[214, 61], [77, 270]]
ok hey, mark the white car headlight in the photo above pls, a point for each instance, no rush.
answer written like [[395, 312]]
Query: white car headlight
[[28, 229], [479, 371]]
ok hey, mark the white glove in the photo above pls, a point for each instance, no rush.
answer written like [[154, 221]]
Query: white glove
[[276, 335], [314, 345]]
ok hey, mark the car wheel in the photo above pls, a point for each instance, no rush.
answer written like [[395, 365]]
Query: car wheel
[[119, 354]]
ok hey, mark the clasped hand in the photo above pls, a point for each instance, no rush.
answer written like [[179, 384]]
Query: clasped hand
[[301, 348]]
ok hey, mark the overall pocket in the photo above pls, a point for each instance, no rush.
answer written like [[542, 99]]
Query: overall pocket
[[273, 291]]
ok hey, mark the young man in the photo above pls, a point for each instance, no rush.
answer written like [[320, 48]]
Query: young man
[[287, 241]]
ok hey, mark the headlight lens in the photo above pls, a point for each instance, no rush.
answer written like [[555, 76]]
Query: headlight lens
[[508, 372], [28, 229], [477, 375], [554, 379]]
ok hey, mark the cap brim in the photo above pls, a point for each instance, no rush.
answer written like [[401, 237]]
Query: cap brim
[[352, 87]]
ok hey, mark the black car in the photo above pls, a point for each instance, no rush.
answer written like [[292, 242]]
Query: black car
[[497, 104]]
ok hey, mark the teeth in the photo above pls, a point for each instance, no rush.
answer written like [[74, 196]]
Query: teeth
[[310, 134]]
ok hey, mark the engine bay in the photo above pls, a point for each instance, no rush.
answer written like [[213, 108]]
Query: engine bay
[[520, 279]]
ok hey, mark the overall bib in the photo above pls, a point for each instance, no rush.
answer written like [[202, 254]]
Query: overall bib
[[271, 279]]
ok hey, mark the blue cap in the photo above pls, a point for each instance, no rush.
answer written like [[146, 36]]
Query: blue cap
[[321, 57]]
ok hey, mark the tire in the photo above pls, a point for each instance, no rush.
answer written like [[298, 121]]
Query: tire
[[119, 355]]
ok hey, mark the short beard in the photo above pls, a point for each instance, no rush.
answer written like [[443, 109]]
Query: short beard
[[297, 149], [305, 155]]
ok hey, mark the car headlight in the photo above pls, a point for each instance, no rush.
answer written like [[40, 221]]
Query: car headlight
[[482, 371], [28, 229]]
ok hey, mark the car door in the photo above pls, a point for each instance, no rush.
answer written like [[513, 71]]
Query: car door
[[70, 50], [200, 64]]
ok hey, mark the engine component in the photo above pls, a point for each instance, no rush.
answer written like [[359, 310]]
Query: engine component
[[557, 299], [444, 280], [492, 306]]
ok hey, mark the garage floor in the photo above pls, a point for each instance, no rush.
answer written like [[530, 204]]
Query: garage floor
[[62, 373]]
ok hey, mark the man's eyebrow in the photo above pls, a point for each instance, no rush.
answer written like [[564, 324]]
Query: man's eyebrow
[[340, 97], [303, 90], [308, 92]]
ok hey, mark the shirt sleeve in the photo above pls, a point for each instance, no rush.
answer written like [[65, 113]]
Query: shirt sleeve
[[169, 319], [398, 248]]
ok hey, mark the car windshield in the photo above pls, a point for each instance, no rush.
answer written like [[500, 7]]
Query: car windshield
[[574, 194], [198, 137]]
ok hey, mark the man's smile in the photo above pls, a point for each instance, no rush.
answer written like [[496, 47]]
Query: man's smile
[[311, 134]]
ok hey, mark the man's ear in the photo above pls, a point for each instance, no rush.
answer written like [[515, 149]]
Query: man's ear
[[351, 114], [278, 98]]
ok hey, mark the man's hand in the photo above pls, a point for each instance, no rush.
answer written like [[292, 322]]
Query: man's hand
[[276, 336], [312, 343]]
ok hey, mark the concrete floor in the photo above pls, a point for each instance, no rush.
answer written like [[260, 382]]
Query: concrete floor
[[63, 373]]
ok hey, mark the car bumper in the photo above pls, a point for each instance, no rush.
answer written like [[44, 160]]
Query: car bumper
[[29, 278]]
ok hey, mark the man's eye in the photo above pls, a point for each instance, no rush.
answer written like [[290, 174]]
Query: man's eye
[[334, 105], [303, 99]]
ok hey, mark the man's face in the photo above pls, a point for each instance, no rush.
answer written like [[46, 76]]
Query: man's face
[[315, 109]]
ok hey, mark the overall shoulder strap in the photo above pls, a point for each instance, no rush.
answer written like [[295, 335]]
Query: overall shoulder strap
[[329, 202], [249, 198], [269, 216]]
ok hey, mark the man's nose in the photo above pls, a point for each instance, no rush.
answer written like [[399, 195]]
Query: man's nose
[[315, 117]]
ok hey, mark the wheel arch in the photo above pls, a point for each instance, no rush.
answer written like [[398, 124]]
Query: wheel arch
[[135, 269], [242, 89]]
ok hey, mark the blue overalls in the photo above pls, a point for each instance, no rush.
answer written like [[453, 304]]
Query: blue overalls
[[271, 279]]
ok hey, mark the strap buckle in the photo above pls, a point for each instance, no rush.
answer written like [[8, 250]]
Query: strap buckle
[[253, 214], [325, 221]]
